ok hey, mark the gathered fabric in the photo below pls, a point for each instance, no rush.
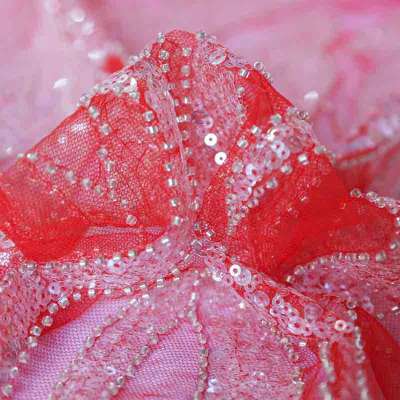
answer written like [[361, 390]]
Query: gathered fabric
[[192, 237]]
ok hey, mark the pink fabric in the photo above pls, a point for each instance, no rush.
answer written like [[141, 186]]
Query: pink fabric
[[339, 60], [348, 55], [175, 358], [46, 363]]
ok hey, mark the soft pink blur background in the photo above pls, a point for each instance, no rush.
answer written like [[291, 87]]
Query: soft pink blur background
[[317, 51]]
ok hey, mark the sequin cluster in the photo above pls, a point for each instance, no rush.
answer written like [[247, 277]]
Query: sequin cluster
[[184, 276]]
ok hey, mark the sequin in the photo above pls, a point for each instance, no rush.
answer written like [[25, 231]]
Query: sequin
[[152, 130], [186, 51], [235, 270], [210, 139], [220, 158], [131, 220], [164, 54], [217, 57], [244, 73], [148, 116]]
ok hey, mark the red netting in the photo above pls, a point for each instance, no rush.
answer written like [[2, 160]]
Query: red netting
[[189, 159]]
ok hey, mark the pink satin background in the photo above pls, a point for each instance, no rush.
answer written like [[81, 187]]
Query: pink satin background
[[337, 59]]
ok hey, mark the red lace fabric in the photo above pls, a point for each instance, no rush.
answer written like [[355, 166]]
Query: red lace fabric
[[187, 191]]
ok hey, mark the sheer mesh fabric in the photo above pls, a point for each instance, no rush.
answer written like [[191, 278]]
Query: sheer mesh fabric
[[186, 185]]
